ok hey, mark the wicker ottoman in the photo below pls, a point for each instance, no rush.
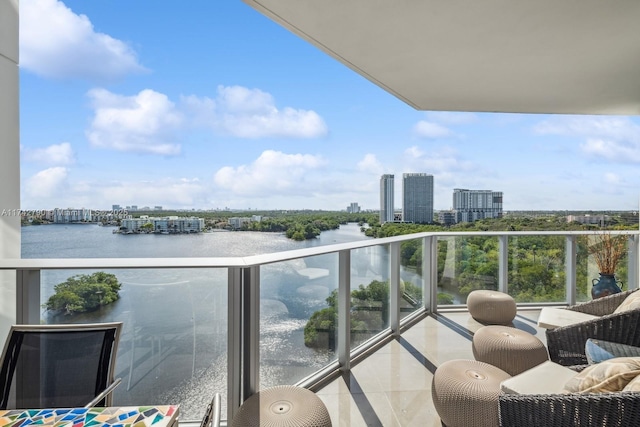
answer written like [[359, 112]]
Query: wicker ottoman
[[491, 307], [510, 349], [284, 405], [465, 393]]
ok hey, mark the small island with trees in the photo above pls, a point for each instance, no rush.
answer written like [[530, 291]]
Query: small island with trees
[[84, 292]]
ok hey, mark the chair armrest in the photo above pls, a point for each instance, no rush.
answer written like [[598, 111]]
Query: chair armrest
[[574, 409], [212, 413], [602, 306], [566, 344], [104, 393]]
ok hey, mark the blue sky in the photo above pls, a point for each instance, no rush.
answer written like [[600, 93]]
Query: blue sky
[[208, 104]]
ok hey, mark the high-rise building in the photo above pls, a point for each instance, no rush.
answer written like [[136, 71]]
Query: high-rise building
[[417, 198], [472, 205], [386, 198], [353, 208]]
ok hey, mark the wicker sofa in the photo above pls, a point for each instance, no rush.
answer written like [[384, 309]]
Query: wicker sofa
[[567, 410], [566, 344]]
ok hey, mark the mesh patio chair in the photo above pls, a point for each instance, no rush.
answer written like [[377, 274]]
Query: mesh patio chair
[[59, 366], [211, 416], [567, 344]]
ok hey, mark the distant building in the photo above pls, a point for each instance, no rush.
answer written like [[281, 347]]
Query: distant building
[[70, 215], [417, 198], [238, 222], [162, 225], [600, 220], [472, 205], [386, 198], [353, 208], [446, 218], [115, 207], [157, 208]]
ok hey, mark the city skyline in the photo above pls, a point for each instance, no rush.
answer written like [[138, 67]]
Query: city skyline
[[228, 109]]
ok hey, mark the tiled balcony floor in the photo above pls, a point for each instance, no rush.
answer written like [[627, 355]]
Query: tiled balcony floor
[[392, 387]]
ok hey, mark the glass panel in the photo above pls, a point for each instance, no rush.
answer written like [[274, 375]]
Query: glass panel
[[369, 292], [173, 347], [411, 276], [464, 265], [297, 318], [537, 268]]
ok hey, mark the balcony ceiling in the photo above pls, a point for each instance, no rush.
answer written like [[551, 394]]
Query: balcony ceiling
[[527, 56]]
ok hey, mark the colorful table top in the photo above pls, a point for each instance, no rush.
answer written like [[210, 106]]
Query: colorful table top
[[131, 416]]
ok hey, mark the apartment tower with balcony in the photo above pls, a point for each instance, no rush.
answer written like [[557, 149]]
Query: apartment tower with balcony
[[386, 198], [472, 205], [417, 198]]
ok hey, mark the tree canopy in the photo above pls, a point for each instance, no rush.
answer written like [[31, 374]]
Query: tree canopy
[[84, 292]]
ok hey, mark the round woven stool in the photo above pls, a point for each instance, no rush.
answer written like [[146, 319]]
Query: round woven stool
[[510, 349], [284, 405], [465, 393], [491, 307]]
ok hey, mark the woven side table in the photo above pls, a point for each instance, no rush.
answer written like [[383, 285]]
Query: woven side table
[[465, 393], [510, 349], [491, 307], [283, 406]]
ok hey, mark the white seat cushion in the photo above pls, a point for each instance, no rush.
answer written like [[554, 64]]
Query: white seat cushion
[[553, 317], [546, 378]]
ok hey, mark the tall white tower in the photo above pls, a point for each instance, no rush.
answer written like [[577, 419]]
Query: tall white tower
[[386, 198]]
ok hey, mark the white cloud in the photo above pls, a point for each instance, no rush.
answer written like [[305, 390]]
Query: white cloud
[[370, 164], [613, 179], [452, 117], [273, 172], [251, 113], [56, 154], [174, 193], [443, 162], [611, 138], [431, 130], [612, 150], [57, 43], [46, 185], [143, 123]]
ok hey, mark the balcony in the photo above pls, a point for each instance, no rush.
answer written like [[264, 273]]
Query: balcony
[[237, 324]]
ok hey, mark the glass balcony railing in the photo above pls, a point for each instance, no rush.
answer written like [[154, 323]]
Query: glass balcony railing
[[197, 326]]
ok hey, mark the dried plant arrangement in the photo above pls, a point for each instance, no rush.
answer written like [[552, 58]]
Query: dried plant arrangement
[[608, 250]]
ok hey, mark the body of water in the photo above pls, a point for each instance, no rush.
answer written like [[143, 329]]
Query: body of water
[[174, 343]]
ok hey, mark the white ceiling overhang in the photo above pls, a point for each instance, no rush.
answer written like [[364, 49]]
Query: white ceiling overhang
[[526, 56]]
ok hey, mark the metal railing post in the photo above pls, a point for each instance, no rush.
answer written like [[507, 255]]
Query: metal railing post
[[632, 263], [344, 310], [394, 289], [503, 264], [28, 297], [571, 250], [234, 341], [251, 331], [243, 356], [430, 273]]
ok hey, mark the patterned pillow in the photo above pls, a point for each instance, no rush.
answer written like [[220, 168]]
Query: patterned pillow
[[631, 302], [611, 375]]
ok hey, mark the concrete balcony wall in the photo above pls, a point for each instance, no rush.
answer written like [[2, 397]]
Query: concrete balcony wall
[[9, 160]]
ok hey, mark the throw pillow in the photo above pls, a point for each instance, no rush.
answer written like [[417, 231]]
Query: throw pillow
[[608, 376], [595, 352], [634, 385], [631, 302], [599, 350]]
